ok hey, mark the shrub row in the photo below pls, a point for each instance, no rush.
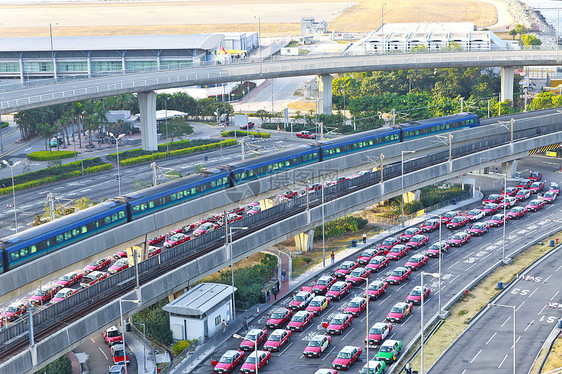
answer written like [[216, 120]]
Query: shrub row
[[431, 195], [249, 281], [52, 171], [182, 345], [47, 155], [183, 151], [182, 144], [67, 175], [157, 322], [245, 133], [340, 226]]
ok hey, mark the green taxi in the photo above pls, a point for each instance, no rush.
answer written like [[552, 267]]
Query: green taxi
[[389, 351], [375, 367]]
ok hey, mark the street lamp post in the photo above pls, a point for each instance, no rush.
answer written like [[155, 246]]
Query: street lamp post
[[121, 301], [514, 341], [323, 236], [232, 267], [236, 336], [402, 180], [117, 138], [440, 217], [166, 115], [13, 188], [366, 279], [421, 324]]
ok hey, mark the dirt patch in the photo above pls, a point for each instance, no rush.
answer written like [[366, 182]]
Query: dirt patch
[[277, 19], [477, 298]]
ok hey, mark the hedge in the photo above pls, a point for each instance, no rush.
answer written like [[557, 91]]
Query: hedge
[[340, 226], [70, 174], [47, 155], [184, 151], [182, 144], [245, 133], [3, 125], [52, 171]]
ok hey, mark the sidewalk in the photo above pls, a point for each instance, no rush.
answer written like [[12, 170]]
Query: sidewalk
[[257, 312], [142, 353]]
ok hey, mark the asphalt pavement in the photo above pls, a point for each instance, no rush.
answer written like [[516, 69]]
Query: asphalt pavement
[[487, 345], [459, 267]]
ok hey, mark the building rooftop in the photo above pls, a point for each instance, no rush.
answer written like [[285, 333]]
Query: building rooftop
[[199, 300], [426, 27], [112, 42]]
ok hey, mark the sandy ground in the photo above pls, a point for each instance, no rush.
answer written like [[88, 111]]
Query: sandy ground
[[183, 17]]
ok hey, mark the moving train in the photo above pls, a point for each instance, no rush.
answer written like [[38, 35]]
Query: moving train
[[28, 245]]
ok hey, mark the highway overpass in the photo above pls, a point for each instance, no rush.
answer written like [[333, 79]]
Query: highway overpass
[[19, 97], [58, 330]]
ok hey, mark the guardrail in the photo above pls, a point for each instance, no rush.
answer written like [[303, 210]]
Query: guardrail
[[247, 61]]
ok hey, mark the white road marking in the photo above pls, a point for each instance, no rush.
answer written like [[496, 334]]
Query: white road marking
[[285, 349], [93, 341], [520, 305], [503, 324], [540, 311], [529, 325], [492, 337], [407, 319], [453, 265], [555, 295], [516, 341], [474, 358], [326, 355], [346, 335], [463, 371], [533, 292], [559, 267], [103, 353], [547, 278], [468, 268], [501, 363]]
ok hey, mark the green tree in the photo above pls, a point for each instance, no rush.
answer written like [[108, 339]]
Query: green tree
[[61, 365], [544, 100], [513, 32], [178, 127], [520, 29], [47, 131], [529, 39]]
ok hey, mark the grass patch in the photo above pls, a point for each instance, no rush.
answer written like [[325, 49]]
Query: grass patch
[[3, 125], [554, 360], [467, 307]]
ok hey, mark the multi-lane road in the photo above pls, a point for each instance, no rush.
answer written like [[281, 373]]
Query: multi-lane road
[[487, 346], [104, 185], [459, 267]]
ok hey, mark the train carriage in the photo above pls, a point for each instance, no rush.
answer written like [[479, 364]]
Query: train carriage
[[434, 126], [359, 142], [164, 195], [26, 246], [247, 170]]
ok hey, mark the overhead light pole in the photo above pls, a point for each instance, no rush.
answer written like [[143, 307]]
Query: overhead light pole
[[232, 266], [13, 188], [435, 275], [236, 336], [366, 279], [402, 180], [117, 138]]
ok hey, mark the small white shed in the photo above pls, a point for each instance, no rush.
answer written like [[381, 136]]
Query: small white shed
[[198, 313]]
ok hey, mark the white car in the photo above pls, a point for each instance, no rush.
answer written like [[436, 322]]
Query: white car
[[510, 201]]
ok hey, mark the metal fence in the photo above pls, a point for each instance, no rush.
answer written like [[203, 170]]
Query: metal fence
[[146, 343]]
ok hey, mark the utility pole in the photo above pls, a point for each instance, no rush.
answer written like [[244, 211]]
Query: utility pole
[[51, 200], [153, 166]]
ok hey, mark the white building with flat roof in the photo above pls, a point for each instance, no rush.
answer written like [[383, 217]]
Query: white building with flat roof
[[408, 37], [28, 58], [198, 313]]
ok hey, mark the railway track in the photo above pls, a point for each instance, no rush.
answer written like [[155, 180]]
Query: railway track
[[20, 343]]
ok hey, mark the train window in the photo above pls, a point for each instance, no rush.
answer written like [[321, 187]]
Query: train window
[[107, 220], [32, 248], [68, 235], [14, 256], [59, 238], [75, 232]]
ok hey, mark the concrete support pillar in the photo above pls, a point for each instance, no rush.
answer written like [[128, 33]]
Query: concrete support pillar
[[325, 93], [507, 76], [304, 240], [147, 106], [509, 168]]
